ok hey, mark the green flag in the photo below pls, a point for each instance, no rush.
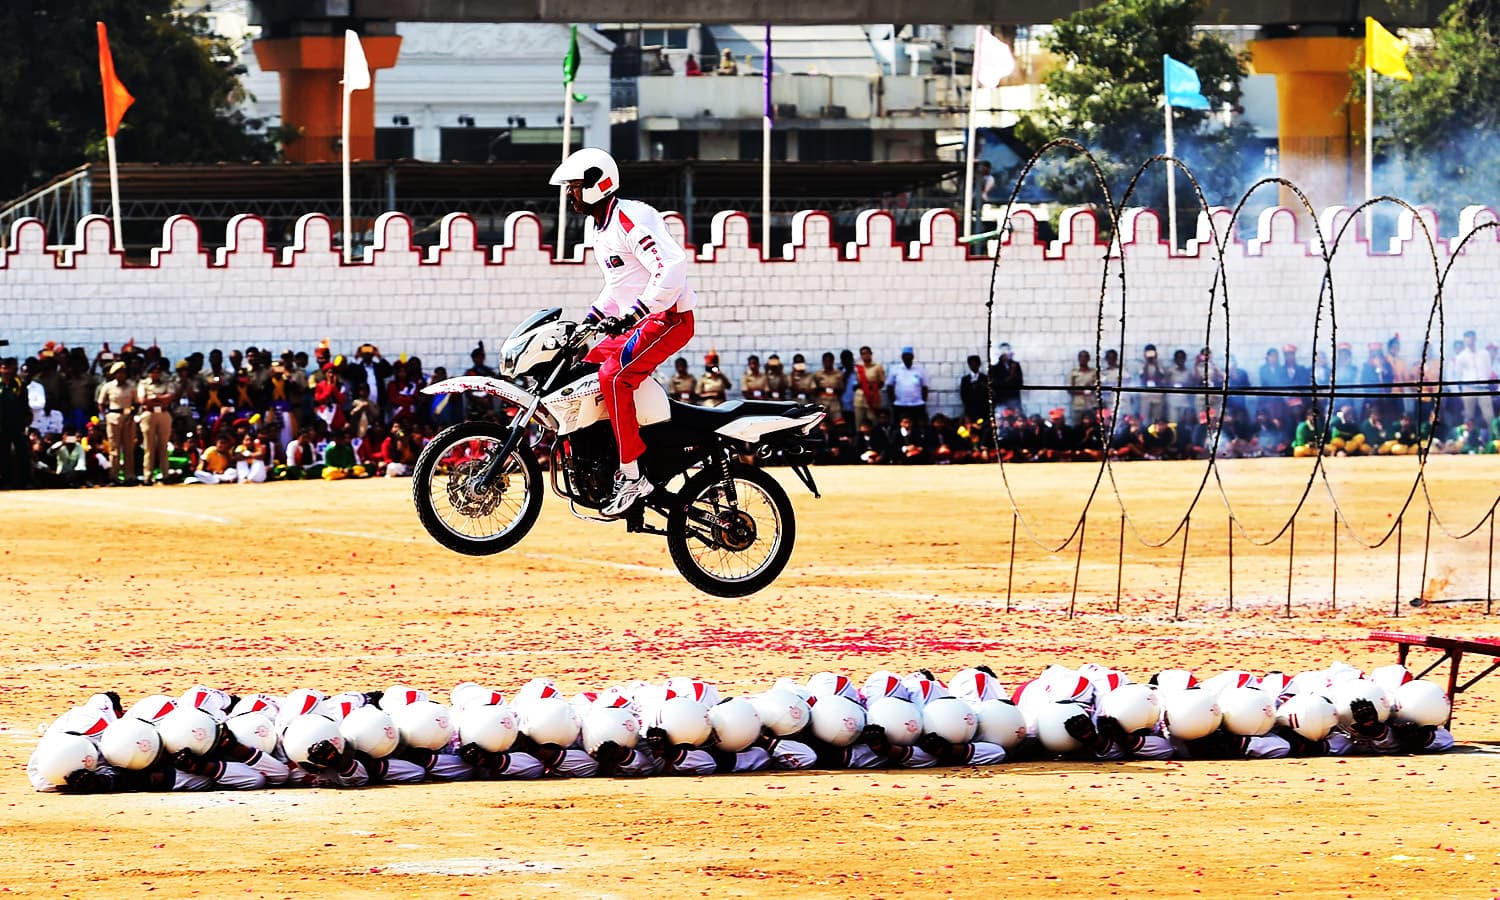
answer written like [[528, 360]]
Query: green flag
[[570, 65]]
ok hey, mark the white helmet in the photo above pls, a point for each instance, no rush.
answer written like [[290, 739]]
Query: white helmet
[[536, 689], [1342, 671], [951, 719], [492, 726], [1191, 714], [304, 731], [371, 731], [976, 686], [782, 711], [824, 684], [256, 703], [736, 724], [609, 723], [837, 720], [1052, 726], [254, 730], [884, 683], [1346, 691], [187, 728], [1000, 722], [549, 720], [1175, 679], [1310, 715], [340, 705], [685, 720], [1062, 683], [1247, 711], [592, 166], [1421, 703], [1276, 683], [923, 689], [1134, 706], [693, 689], [151, 709], [471, 694], [211, 700], [1104, 678], [60, 754], [424, 724], [1391, 677], [130, 743], [399, 695], [300, 702], [901, 719]]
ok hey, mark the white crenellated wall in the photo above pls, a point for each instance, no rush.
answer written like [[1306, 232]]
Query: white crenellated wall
[[813, 297]]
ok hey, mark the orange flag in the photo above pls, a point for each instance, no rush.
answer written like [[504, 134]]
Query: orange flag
[[116, 98]]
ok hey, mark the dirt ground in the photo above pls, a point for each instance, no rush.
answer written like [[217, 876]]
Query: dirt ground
[[275, 587]]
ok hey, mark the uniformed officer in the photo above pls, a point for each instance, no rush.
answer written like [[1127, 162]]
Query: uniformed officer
[[871, 382], [753, 383], [830, 383], [682, 385], [15, 415], [713, 387], [155, 397], [801, 386], [776, 380], [117, 405]]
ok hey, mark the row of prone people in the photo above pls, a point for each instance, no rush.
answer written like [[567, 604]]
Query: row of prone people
[[210, 738]]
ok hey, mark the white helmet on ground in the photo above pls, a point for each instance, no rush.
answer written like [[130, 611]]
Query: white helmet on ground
[[1391, 677], [371, 731], [884, 683], [595, 168], [424, 724], [1052, 726], [59, 754], [1421, 703], [976, 685], [951, 719], [130, 743], [1104, 678], [1276, 683], [1247, 711], [1191, 714], [736, 724], [188, 728], [837, 720], [1348, 690], [609, 723], [492, 726], [901, 719], [693, 689], [1231, 679], [257, 703], [1062, 683], [340, 705], [549, 720], [211, 700], [782, 711], [1175, 679], [305, 731], [301, 702], [925, 690], [151, 709], [1134, 706], [1310, 715], [471, 694], [1342, 671], [1000, 722], [253, 729], [536, 689], [825, 684], [685, 720], [399, 695]]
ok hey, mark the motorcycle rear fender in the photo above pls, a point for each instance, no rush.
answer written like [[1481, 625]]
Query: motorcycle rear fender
[[754, 429], [508, 391]]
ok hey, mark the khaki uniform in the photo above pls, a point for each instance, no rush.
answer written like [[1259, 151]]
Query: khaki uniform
[[754, 385], [683, 388], [776, 384], [713, 389], [118, 401], [830, 392], [156, 424], [803, 389], [864, 410]]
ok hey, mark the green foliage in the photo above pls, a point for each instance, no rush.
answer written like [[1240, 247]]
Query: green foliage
[[1444, 125], [184, 79], [1106, 92]]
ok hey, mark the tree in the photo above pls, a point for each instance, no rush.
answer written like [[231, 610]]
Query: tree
[[1106, 92], [1443, 125], [185, 81]]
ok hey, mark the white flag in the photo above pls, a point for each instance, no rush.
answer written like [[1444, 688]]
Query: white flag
[[356, 70], [992, 58]]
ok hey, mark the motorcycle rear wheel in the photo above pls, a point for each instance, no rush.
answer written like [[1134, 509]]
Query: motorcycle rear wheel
[[749, 544], [476, 523]]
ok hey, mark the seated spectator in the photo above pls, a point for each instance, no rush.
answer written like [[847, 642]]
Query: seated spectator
[[97, 453], [1088, 439], [69, 469], [218, 463], [1160, 440], [1270, 437], [302, 457], [252, 459], [909, 443], [838, 447], [1305, 441], [869, 444], [400, 395], [727, 65], [1346, 438], [369, 451], [399, 452], [1403, 439], [339, 461], [1056, 440], [1129, 440], [947, 446], [1373, 429]]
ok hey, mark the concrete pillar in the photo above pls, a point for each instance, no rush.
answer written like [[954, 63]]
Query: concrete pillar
[[1320, 147], [311, 68]]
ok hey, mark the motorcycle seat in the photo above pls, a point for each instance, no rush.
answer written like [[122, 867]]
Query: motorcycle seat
[[712, 418]]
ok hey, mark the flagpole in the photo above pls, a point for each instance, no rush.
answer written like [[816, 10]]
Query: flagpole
[[1171, 181], [562, 190], [114, 190], [968, 226], [348, 202], [765, 158], [1369, 143]]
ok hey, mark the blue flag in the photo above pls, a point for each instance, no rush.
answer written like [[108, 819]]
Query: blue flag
[[1182, 86]]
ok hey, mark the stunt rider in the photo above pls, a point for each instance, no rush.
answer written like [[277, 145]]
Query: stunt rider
[[646, 305]]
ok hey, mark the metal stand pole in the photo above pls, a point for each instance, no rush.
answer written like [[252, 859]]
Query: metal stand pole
[[1231, 564], [1187, 527], [1335, 598], [1400, 527], [1012, 576], [1083, 525], [1426, 544], [1489, 570], [1120, 563], [1291, 558]]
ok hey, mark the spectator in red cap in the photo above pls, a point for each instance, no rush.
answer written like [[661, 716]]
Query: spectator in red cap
[[713, 386]]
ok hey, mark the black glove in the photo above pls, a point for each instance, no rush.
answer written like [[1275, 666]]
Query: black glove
[[1081, 729], [984, 667], [373, 697], [1366, 721], [655, 742], [326, 754], [617, 325], [1414, 738], [610, 753], [927, 674], [875, 737], [478, 757], [1110, 729], [417, 756], [224, 741], [935, 745], [87, 781], [193, 764], [593, 316], [550, 755]]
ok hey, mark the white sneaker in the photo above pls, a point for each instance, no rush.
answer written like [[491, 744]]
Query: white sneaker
[[627, 492]]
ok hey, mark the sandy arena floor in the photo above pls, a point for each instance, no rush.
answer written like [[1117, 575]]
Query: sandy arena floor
[[275, 587]]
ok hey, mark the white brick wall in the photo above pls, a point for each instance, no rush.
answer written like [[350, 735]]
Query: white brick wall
[[811, 297]]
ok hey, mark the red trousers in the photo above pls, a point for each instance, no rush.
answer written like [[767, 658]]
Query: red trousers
[[629, 359]]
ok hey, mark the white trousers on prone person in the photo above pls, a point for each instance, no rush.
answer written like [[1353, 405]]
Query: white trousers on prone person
[[234, 777]]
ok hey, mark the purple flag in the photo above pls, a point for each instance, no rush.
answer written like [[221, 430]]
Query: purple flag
[[770, 109]]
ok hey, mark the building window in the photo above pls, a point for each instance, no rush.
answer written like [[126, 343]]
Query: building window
[[835, 146], [666, 38], [505, 144], [394, 143], [750, 144]]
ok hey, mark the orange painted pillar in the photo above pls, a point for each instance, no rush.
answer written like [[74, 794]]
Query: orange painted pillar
[[1320, 131], [311, 69]]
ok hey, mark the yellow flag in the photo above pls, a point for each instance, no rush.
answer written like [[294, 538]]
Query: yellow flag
[[1384, 52]]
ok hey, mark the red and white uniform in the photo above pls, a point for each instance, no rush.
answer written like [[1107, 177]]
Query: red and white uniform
[[645, 272]]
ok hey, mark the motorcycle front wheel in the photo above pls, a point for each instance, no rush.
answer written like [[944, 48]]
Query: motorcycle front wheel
[[731, 546], [455, 510]]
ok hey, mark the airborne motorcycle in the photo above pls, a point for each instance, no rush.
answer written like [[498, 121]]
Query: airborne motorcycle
[[729, 526]]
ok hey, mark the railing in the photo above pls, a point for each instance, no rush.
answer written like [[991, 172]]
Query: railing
[[59, 203]]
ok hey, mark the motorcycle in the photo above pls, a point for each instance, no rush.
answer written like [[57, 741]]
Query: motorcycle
[[729, 526]]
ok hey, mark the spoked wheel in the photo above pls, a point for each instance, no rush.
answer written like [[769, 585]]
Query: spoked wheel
[[459, 513], [731, 546]]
